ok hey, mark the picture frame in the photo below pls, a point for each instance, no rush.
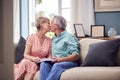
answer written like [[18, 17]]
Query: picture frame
[[97, 30], [79, 31], [106, 5]]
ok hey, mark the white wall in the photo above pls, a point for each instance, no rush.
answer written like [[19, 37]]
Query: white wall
[[6, 66]]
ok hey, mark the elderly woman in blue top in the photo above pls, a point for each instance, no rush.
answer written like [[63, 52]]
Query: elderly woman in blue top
[[65, 51]]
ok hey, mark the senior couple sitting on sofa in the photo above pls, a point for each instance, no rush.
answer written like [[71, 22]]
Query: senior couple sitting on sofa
[[100, 60]]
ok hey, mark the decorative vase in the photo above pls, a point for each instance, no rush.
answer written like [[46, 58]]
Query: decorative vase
[[112, 32]]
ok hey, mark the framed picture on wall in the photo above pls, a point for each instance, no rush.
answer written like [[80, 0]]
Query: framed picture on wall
[[97, 30], [107, 5], [79, 31]]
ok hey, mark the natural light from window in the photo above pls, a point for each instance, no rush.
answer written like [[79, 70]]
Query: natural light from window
[[49, 8]]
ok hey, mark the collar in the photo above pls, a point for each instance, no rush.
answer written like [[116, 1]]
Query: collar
[[62, 33]]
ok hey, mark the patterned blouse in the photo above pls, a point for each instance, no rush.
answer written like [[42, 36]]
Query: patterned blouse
[[38, 50]]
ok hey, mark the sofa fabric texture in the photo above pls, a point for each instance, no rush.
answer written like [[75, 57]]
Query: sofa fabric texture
[[102, 53], [92, 73], [19, 50]]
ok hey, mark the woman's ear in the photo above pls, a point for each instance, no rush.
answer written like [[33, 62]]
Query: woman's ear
[[42, 25]]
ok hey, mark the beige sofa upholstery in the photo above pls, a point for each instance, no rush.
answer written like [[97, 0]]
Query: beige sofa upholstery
[[90, 73]]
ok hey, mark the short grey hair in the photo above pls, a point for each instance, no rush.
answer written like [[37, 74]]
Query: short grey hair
[[60, 21]]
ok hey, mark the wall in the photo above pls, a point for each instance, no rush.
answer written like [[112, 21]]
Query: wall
[[1, 33], [6, 39], [109, 19], [81, 13]]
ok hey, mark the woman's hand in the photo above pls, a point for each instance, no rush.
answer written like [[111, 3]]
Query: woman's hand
[[35, 59]]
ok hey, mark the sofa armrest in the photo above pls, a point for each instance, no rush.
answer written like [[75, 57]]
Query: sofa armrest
[[37, 75]]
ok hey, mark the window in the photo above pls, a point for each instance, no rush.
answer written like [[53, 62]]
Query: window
[[26, 11], [50, 8], [47, 8], [65, 10]]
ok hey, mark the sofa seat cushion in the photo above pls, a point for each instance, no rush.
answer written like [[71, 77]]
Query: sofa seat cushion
[[88, 73], [91, 73]]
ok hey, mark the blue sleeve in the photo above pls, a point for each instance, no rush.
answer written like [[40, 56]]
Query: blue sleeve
[[73, 45]]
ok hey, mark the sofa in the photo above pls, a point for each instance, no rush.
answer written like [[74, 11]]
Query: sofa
[[92, 72], [92, 67]]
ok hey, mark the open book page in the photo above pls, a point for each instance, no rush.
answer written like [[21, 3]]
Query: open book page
[[47, 59]]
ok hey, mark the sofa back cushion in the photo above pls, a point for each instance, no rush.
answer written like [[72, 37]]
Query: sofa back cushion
[[19, 50], [84, 47], [118, 57]]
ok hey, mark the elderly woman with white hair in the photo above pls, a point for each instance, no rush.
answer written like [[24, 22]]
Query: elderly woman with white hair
[[65, 51]]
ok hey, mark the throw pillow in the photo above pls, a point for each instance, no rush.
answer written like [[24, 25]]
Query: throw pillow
[[19, 50], [102, 53]]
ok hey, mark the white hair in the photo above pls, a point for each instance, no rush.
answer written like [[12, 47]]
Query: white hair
[[60, 21]]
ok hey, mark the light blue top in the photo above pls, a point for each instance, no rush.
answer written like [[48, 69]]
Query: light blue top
[[64, 45]]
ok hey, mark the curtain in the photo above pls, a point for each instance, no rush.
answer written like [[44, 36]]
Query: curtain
[[16, 22], [82, 12]]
